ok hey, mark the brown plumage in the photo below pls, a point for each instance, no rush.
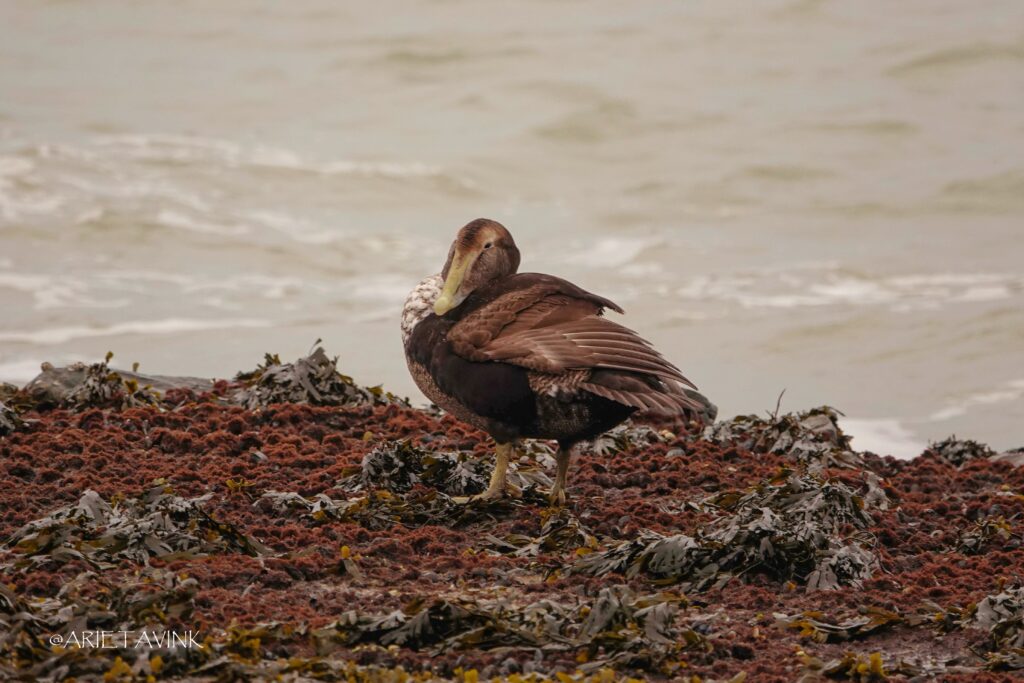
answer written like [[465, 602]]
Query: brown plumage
[[526, 355]]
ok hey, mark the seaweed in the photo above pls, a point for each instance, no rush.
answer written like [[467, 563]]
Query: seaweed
[[381, 576], [398, 466], [959, 452], [10, 420], [89, 602], [870, 621], [856, 667], [561, 531], [102, 387], [1002, 616], [156, 524], [617, 628], [381, 509], [628, 435], [312, 379], [791, 529], [812, 438], [985, 533]]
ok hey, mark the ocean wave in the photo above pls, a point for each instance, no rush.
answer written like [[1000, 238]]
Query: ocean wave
[[942, 60], [61, 335], [610, 252], [183, 149], [883, 437], [62, 291], [808, 288], [1008, 392]]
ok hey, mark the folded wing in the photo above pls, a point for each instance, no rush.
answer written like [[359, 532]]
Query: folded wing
[[554, 330]]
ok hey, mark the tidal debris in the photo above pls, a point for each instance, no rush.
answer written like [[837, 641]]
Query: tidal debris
[[1002, 616], [794, 529], [959, 452], [397, 466], [156, 524], [312, 379], [10, 420], [812, 438], [308, 542], [617, 628]]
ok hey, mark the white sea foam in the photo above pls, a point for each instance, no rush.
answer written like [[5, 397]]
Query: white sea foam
[[1010, 391], [883, 436], [807, 288], [188, 149], [13, 167], [60, 335], [182, 221], [295, 228], [265, 286], [610, 252], [58, 291]]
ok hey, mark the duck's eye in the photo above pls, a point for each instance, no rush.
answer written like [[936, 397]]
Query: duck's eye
[[488, 245]]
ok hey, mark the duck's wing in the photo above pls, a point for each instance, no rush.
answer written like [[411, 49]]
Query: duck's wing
[[553, 327]]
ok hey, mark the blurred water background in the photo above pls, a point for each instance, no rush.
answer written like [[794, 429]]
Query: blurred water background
[[822, 197]]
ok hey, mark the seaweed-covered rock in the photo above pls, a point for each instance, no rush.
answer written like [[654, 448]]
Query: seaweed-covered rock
[[313, 379], [812, 438], [788, 530], [958, 452], [1014, 456], [105, 388], [80, 386]]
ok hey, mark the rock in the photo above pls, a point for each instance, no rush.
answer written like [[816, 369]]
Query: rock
[[53, 386], [1015, 457]]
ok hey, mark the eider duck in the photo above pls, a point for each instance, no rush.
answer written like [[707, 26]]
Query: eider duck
[[529, 356]]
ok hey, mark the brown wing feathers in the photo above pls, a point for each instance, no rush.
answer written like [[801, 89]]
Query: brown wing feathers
[[544, 328], [589, 343]]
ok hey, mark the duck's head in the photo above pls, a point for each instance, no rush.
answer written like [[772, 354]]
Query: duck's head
[[482, 252]]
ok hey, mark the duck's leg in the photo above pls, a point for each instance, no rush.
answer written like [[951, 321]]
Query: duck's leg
[[502, 454], [557, 498]]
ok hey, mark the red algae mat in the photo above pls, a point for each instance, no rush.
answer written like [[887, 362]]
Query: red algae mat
[[262, 533]]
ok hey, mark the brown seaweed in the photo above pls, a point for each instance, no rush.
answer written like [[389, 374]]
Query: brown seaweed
[[790, 530], [312, 379], [156, 524]]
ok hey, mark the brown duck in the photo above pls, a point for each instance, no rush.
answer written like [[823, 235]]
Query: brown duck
[[526, 355]]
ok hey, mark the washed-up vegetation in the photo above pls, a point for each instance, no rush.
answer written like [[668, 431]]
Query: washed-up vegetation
[[313, 379], [790, 530], [10, 419], [316, 535], [812, 438], [959, 452], [1002, 616], [156, 524], [617, 627], [397, 466]]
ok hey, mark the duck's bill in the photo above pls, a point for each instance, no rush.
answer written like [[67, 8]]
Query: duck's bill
[[450, 296]]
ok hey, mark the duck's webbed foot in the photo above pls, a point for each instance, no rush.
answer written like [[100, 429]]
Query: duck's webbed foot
[[558, 497], [496, 489]]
